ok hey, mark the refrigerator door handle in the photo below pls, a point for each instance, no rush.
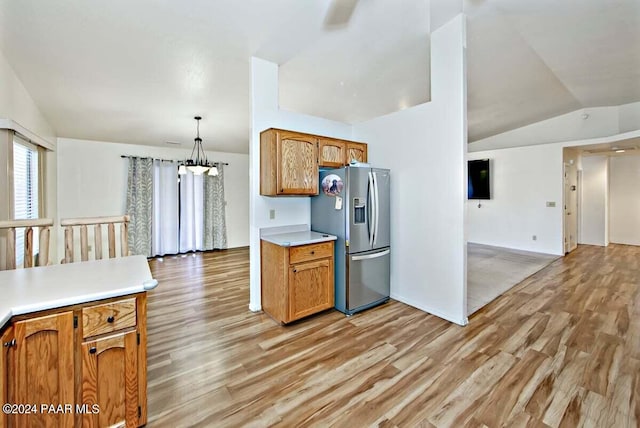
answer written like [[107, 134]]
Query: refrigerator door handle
[[370, 256], [371, 201], [376, 208]]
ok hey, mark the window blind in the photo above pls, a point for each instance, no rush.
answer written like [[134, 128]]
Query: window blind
[[25, 182]]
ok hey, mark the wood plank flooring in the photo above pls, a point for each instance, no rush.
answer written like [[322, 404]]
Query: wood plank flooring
[[562, 348]]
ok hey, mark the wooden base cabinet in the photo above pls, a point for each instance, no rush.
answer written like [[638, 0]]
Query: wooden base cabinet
[[297, 281], [87, 363], [110, 381], [44, 369], [7, 346]]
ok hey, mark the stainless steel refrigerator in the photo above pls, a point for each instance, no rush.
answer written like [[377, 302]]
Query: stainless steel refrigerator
[[353, 204]]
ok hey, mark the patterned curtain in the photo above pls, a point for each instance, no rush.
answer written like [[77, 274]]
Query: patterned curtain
[[215, 223], [140, 205]]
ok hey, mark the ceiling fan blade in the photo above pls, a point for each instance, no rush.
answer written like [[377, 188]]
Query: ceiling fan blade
[[339, 13]]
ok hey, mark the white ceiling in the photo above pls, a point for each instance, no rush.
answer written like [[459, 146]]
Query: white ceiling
[[532, 60], [138, 71]]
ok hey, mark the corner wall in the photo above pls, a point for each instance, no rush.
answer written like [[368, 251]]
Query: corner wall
[[425, 148], [266, 113]]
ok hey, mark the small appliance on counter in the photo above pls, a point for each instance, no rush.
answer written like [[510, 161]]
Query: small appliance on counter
[[354, 204]]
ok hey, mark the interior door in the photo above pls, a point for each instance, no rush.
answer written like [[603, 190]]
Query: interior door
[[570, 205]]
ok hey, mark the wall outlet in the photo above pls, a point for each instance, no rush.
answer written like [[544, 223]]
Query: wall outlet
[[534, 237], [551, 204], [90, 248], [272, 214]]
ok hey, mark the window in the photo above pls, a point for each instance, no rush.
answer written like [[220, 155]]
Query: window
[[26, 190]]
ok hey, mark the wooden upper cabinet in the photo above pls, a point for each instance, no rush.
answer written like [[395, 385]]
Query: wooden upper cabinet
[[331, 153], [288, 163], [7, 346], [44, 368], [110, 381], [357, 152]]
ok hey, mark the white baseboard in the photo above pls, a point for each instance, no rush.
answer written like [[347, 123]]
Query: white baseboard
[[447, 317]]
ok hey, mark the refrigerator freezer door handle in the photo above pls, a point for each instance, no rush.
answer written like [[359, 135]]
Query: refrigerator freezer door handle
[[371, 202], [376, 208], [370, 256]]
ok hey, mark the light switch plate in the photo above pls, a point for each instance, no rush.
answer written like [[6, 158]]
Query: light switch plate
[[272, 214], [551, 204]]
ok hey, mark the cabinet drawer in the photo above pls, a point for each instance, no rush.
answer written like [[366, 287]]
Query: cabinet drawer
[[303, 253], [109, 317]]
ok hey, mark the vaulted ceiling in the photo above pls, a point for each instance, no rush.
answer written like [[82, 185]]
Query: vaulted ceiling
[[138, 71]]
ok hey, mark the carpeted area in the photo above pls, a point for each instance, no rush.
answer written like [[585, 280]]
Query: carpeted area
[[493, 270]]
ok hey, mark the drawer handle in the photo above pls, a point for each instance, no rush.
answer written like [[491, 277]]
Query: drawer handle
[[10, 343], [93, 350], [111, 319], [313, 252]]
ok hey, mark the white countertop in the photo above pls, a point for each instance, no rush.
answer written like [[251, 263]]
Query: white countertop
[[35, 289], [293, 239]]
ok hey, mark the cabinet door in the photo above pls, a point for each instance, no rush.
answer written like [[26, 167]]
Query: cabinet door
[[297, 156], [310, 288], [110, 380], [7, 345], [44, 368], [331, 153], [357, 152]]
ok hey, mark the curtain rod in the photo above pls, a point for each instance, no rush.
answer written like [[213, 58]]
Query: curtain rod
[[165, 160]]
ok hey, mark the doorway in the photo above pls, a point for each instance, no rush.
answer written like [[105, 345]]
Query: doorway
[[570, 205]]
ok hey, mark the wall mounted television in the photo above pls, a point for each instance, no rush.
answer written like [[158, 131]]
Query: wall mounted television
[[479, 186]]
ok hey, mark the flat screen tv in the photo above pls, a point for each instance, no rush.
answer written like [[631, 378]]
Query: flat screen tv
[[479, 179]]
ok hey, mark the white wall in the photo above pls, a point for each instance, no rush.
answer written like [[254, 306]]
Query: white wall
[[265, 113], [523, 180], [594, 198], [18, 111], [425, 149], [92, 181], [601, 122], [17, 105], [624, 200]]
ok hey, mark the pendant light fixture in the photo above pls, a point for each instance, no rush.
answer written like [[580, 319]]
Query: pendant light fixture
[[198, 164]]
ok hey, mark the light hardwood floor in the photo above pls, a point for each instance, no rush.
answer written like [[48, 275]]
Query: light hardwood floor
[[560, 349]]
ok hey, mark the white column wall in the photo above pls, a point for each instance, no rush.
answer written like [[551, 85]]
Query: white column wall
[[425, 148], [265, 113]]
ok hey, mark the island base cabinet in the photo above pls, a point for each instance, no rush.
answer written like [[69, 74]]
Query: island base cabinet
[[44, 370], [7, 346], [81, 366], [110, 381]]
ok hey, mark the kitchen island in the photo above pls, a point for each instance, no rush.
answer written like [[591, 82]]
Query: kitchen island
[[74, 343]]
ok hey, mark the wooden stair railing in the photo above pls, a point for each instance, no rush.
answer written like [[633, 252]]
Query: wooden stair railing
[[43, 224], [97, 223]]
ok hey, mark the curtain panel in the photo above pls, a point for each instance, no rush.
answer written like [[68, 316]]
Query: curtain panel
[[164, 239], [215, 225], [140, 205]]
